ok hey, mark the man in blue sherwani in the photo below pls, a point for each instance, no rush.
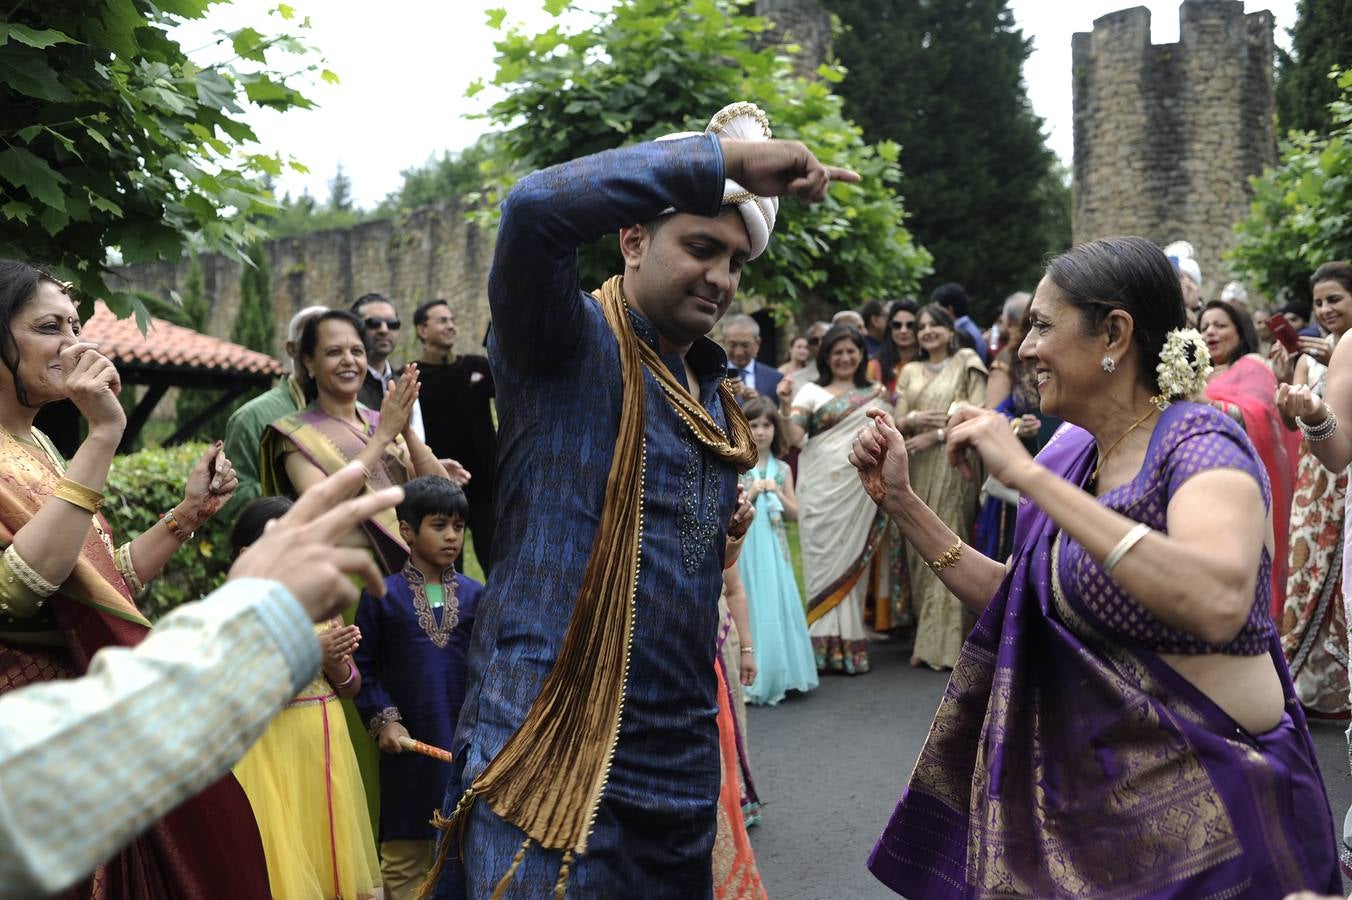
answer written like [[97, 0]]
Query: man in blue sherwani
[[587, 749]]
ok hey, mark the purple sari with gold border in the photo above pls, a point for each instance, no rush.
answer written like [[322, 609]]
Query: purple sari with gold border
[[1062, 763]]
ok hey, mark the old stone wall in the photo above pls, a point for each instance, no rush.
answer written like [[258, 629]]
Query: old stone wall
[[432, 252], [1166, 136]]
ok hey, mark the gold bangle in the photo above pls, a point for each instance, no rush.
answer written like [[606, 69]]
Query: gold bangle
[[948, 558], [77, 494]]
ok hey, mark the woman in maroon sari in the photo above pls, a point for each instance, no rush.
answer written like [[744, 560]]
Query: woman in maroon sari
[[1120, 722], [66, 589], [1243, 387]]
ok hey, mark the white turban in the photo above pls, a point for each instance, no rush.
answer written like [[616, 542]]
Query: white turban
[[744, 122]]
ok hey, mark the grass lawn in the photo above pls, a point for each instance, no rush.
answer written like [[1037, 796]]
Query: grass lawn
[[472, 567]]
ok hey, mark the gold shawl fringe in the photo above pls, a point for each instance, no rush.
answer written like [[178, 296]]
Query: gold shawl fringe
[[549, 777]]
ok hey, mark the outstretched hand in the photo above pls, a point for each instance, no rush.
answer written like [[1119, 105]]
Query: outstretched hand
[[777, 168], [301, 550], [879, 453]]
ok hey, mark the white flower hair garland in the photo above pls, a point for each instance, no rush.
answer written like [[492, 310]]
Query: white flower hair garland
[[1185, 364]]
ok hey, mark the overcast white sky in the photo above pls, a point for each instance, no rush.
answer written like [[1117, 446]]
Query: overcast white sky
[[404, 66]]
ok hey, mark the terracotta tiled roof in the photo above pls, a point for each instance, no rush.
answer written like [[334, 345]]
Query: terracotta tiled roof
[[166, 345]]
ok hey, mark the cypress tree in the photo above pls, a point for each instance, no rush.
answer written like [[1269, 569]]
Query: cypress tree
[[1321, 39], [195, 313], [944, 79], [254, 326]]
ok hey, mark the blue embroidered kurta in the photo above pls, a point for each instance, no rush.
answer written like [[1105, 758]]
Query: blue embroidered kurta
[[556, 367], [414, 665]]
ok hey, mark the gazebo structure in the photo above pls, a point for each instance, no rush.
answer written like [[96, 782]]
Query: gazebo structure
[[165, 356]]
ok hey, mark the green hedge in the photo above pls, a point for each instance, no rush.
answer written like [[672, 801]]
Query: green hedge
[[143, 485]]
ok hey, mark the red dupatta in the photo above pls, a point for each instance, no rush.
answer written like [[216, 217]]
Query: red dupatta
[[1251, 387], [206, 849]]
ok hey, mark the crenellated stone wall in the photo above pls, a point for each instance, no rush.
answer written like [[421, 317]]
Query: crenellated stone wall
[[1166, 136], [431, 252]]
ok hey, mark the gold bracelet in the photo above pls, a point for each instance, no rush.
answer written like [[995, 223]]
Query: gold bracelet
[[948, 558], [77, 494]]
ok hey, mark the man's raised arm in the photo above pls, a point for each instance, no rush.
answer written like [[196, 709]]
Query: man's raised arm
[[534, 290]]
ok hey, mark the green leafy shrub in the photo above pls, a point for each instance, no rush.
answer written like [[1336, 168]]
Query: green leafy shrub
[[145, 484], [1301, 215]]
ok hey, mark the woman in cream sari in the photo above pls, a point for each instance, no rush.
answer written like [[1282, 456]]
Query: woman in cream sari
[[925, 391], [840, 528]]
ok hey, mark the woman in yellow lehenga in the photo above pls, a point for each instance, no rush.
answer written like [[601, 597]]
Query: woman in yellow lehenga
[[925, 391], [301, 777]]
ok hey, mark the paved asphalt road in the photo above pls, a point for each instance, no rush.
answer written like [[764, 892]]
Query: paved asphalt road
[[831, 764]]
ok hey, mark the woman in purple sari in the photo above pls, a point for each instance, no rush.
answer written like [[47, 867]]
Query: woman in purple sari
[[1120, 722]]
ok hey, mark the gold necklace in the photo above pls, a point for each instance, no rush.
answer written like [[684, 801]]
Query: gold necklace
[[1103, 458]]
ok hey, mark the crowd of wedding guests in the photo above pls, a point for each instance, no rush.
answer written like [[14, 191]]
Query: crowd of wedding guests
[[334, 799]]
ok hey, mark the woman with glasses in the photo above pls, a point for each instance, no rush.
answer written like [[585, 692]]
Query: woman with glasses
[[899, 348], [926, 389]]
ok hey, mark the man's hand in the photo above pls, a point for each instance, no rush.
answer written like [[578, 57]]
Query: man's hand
[[301, 548], [777, 168]]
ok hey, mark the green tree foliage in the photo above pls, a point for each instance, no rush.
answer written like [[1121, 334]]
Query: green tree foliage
[[650, 67], [449, 176], [305, 215], [944, 80], [196, 313], [111, 138], [255, 326], [1301, 215], [1320, 41]]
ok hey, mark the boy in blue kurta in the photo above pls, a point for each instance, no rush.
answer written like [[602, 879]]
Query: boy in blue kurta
[[413, 670]]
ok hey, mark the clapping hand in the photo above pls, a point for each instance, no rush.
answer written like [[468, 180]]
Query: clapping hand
[[396, 410], [1297, 401], [337, 646]]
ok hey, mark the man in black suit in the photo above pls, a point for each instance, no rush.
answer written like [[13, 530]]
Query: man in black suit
[[741, 341]]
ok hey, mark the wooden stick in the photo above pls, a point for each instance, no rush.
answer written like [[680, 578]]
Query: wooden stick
[[409, 743]]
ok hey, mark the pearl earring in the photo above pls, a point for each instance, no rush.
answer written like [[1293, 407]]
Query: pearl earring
[[1109, 365]]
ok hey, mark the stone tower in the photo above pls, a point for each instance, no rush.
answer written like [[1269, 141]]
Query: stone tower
[[801, 22], [1166, 136]]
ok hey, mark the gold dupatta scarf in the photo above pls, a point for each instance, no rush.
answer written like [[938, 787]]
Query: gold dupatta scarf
[[25, 483], [549, 777]]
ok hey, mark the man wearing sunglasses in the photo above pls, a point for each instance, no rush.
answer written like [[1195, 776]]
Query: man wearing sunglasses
[[381, 321]]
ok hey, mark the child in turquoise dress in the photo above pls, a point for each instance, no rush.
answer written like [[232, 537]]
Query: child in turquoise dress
[[784, 660]]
